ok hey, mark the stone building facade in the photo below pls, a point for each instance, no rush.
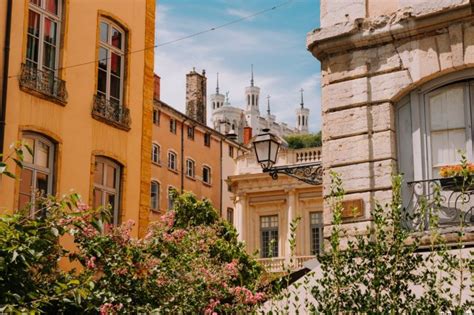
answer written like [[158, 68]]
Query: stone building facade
[[397, 80]]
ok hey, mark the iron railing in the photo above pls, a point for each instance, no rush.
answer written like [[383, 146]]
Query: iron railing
[[44, 82], [111, 112], [448, 199]]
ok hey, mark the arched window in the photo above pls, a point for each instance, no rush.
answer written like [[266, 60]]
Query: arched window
[[299, 120], [155, 153], [206, 175], [107, 186], [155, 196], [172, 161], [111, 62], [253, 99], [190, 169], [248, 99], [38, 169]]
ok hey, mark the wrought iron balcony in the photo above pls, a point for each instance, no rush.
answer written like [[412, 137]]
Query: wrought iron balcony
[[449, 199], [111, 113], [43, 82]]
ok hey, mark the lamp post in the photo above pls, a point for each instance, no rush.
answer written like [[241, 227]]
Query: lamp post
[[266, 147]]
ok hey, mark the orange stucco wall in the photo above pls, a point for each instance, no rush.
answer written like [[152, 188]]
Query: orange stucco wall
[[78, 135]]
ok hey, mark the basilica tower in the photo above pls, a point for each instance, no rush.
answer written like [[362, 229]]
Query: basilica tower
[[302, 115]]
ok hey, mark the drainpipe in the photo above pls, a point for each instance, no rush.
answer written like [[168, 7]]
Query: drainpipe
[[6, 63], [221, 179], [182, 154]]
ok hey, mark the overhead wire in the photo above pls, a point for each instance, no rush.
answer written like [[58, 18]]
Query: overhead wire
[[181, 38]]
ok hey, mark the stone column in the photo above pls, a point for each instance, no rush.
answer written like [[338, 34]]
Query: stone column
[[291, 216], [240, 209]]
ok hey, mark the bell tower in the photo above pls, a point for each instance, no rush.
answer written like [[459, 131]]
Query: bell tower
[[302, 115], [252, 93]]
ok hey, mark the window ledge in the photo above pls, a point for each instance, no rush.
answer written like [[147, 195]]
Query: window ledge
[[207, 184], [173, 170], [191, 178], [156, 163]]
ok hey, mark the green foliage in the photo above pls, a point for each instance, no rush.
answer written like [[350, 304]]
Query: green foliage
[[304, 141]]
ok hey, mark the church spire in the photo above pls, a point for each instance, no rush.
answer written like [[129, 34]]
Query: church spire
[[302, 101], [251, 78], [217, 86], [268, 105]]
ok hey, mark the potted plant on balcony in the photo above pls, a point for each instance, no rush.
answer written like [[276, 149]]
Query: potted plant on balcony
[[457, 177]]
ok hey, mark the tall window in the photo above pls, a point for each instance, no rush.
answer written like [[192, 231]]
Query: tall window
[[38, 169], [231, 151], [111, 62], [155, 153], [191, 132], [206, 175], [190, 168], [173, 125], [171, 191], [269, 236], [155, 196], [156, 117], [44, 30], [107, 186], [230, 215], [316, 232], [172, 161], [207, 139]]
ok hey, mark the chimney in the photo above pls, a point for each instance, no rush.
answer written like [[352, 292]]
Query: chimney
[[156, 89], [247, 135], [196, 102]]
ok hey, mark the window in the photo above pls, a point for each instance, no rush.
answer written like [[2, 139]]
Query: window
[[40, 70], [173, 125], [44, 30], [191, 132], [431, 127], [38, 169], [206, 175], [190, 168], [172, 161], [155, 196], [156, 117], [230, 215], [155, 154], [316, 232], [107, 184], [171, 192], [231, 151], [269, 236], [207, 139]]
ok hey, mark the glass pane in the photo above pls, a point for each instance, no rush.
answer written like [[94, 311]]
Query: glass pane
[[97, 198], [114, 87], [33, 23], [104, 31], [26, 181], [49, 57], [110, 199], [116, 38], [36, 2], [102, 81], [99, 173], [50, 28], [42, 183], [52, 6], [42, 154], [116, 64], [28, 158], [110, 176], [103, 61], [445, 145], [32, 49], [447, 109]]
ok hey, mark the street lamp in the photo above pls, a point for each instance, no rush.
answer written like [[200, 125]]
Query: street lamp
[[266, 147]]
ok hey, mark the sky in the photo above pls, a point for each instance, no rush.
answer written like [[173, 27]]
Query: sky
[[274, 42]]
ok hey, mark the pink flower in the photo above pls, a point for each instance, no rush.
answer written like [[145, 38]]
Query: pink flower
[[246, 296], [82, 206], [211, 306], [90, 263], [168, 219], [105, 308], [231, 268]]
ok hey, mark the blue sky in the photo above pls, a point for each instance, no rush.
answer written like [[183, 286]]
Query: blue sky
[[274, 42]]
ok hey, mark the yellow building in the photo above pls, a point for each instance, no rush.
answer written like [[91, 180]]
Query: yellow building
[[78, 88], [189, 156]]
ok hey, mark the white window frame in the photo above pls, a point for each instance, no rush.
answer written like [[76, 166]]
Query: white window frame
[[270, 229], [110, 48], [319, 226], [190, 168], [155, 200], [172, 162], [34, 168], [43, 13], [155, 153], [104, 190]]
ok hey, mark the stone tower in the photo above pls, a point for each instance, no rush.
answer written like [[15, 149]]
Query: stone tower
[[196, 96], [302, 115], [217, 99], [251, 95]]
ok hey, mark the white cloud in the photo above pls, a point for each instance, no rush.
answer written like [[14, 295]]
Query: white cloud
[[238, 13]]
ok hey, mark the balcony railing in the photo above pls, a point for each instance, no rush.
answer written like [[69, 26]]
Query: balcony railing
[[111, 113], [449, 199], [281, 264], [43, 82], [307, 155]]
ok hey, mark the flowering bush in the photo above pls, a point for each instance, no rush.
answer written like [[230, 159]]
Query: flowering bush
[[189, 262]]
